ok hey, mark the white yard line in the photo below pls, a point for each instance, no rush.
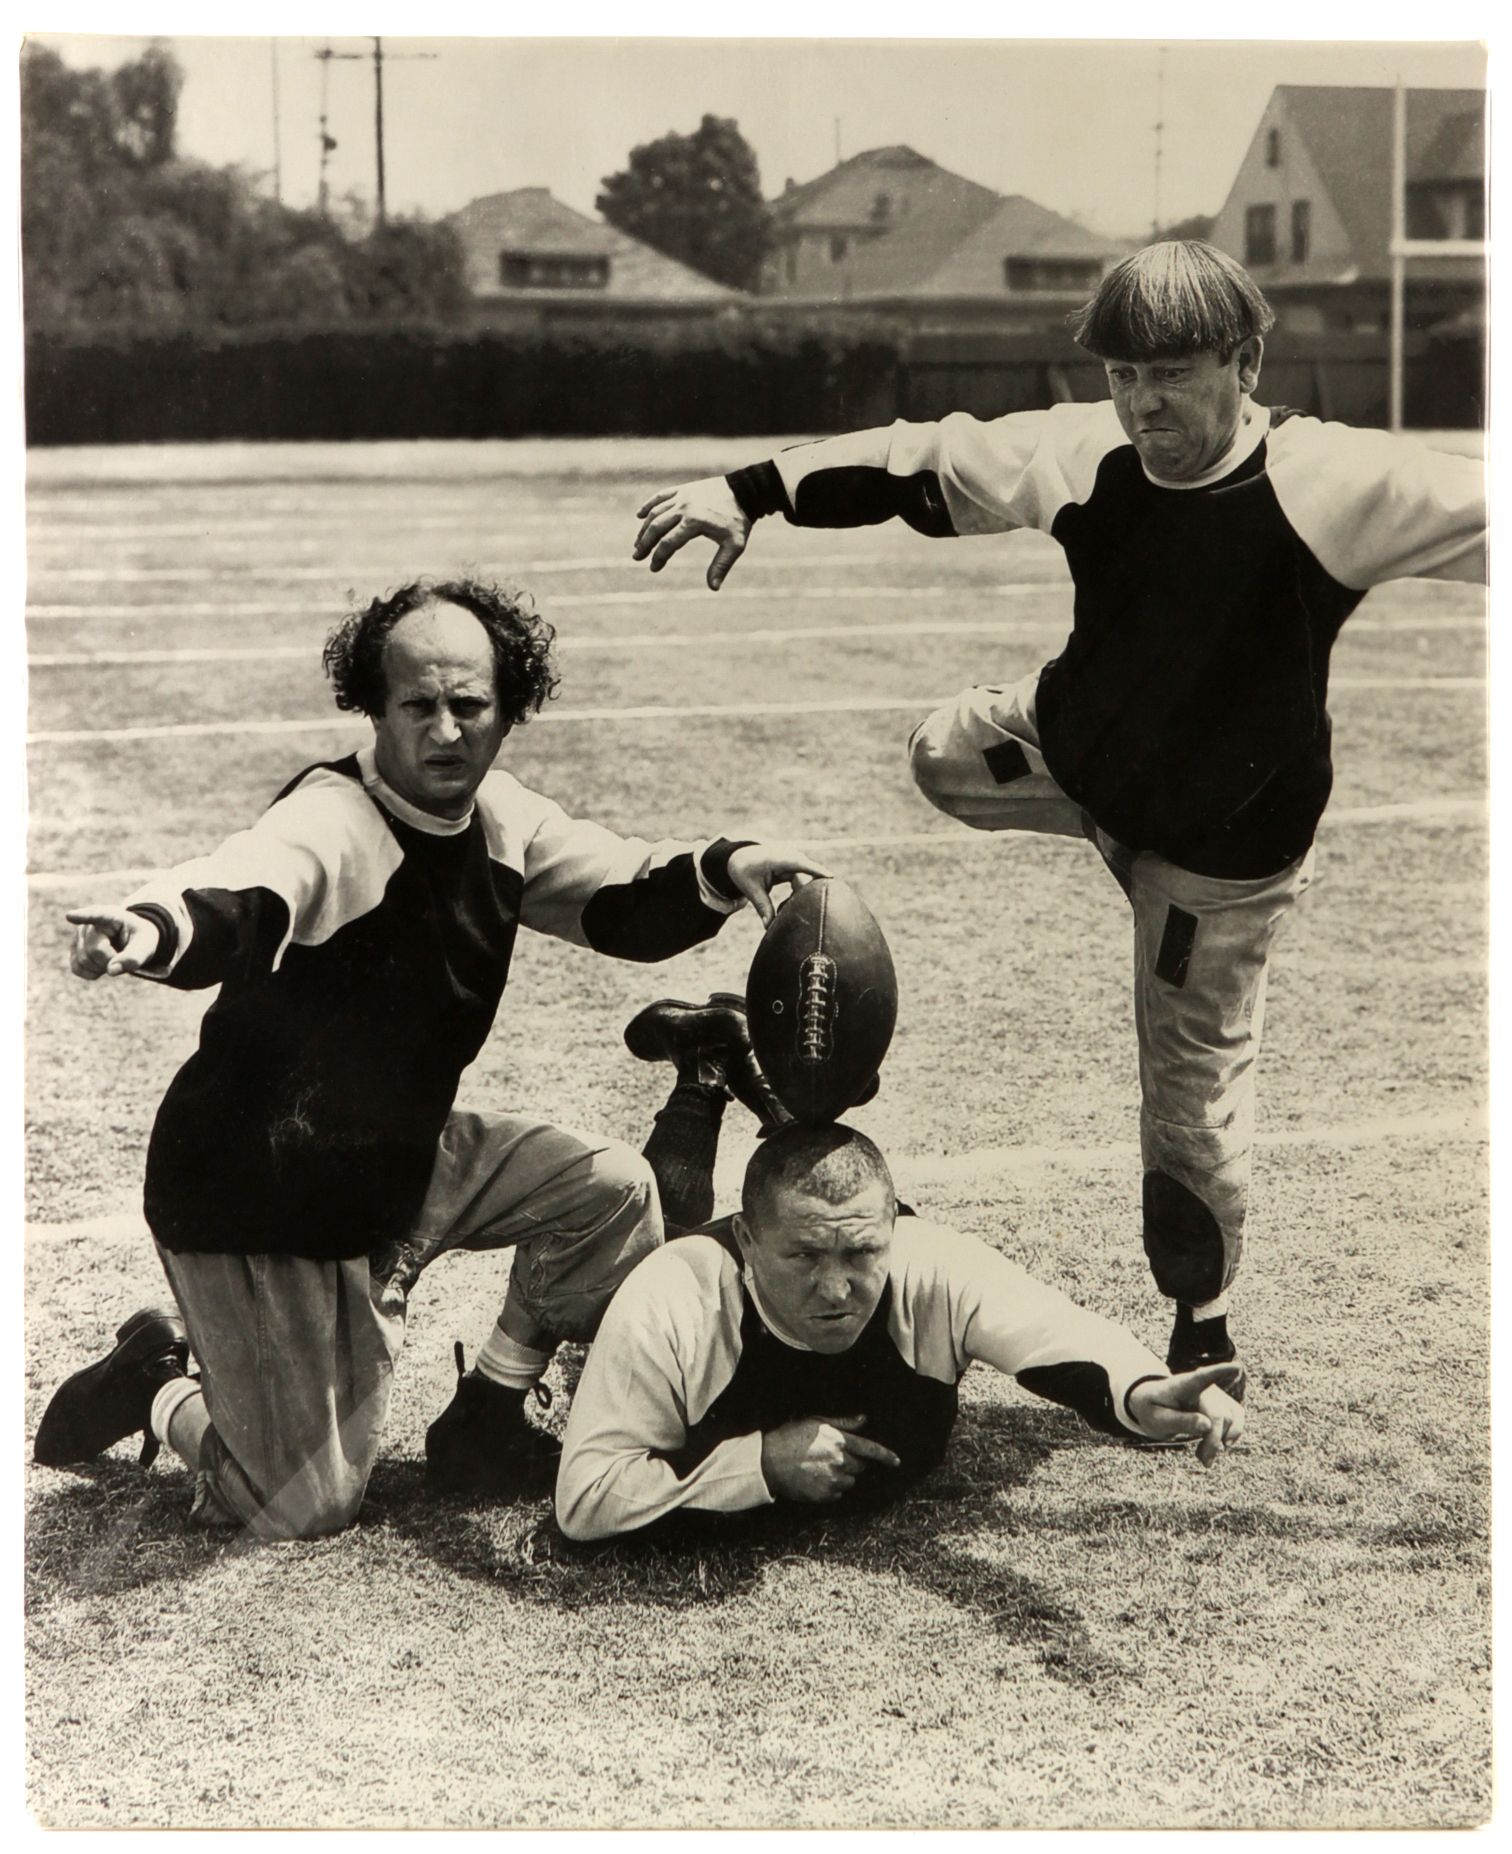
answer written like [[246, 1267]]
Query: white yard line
[[1467, 1126], [658, 711], [577, 601], [1453, 804], [700, 640], [1060, 1162]]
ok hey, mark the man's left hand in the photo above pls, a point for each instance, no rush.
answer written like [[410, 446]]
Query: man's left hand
[[1193, 1406], [757, 868]]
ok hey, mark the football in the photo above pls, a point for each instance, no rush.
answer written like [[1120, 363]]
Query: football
[[822, 999]]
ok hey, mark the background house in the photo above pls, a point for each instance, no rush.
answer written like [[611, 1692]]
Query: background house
[[893, 232], [1309, 212], [532, 260]]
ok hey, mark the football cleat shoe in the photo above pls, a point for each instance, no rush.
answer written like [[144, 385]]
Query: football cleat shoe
[[1195, 1343], [112, 1399], [710, 1044], [483, 1443]]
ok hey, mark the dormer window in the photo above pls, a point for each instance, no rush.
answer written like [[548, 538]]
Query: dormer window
[[549, 270]]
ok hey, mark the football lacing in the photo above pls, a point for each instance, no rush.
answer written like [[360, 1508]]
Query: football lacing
[[817, 1006]]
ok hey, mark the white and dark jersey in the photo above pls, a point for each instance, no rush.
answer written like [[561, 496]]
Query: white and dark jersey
[[685, 1374], [362, 946], [1187, 711]]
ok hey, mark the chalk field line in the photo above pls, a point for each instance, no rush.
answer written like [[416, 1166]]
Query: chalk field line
[[1449, 805], [1052, 624], [662, 712], [1004, 1163]]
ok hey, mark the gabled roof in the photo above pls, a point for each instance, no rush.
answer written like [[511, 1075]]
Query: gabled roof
[[846, 195], [529, 220], [1347, 130], [967, 260]]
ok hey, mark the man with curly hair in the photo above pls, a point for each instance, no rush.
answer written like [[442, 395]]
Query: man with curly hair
[[308, 1158]]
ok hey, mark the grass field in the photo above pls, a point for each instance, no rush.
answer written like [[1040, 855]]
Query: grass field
[[1055, 1631]]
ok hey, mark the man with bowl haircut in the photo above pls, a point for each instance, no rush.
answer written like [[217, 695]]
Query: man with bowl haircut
[[1216, 549], [309, 1158], [809, 1350]]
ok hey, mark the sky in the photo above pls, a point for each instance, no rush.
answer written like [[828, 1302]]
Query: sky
[[1070, 124]]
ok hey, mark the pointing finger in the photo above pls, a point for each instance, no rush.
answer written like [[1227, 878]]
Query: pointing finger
[[653, 502], [863, 1448]]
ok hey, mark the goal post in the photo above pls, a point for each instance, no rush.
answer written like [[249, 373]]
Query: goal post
[[1405, 250]]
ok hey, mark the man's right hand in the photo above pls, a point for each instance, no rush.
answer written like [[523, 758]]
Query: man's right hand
[[817, 1458], [676, 516], [109, 941]]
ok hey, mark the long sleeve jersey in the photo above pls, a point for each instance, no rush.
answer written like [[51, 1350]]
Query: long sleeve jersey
[[361, 947], [1187, 712], [685, 1375]]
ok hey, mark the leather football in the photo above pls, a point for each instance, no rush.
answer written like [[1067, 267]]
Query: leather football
[[821, 1000]]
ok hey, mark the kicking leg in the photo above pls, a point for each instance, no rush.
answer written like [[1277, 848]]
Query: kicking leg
[[978, 759]]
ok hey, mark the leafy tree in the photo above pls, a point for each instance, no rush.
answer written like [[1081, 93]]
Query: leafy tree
[[116, 229], [696, 198]]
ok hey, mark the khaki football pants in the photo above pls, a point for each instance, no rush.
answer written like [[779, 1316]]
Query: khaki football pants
[[1200, 952], [296, 1360]]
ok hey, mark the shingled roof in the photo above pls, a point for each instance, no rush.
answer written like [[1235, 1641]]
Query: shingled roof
[[529, 221], [846, 195]]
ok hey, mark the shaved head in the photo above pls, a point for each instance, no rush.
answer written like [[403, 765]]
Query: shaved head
[[832, 1163]]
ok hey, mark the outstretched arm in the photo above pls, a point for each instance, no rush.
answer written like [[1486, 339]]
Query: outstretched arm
[[960, 476]]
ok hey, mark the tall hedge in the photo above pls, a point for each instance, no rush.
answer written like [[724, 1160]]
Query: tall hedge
[[407, 383]]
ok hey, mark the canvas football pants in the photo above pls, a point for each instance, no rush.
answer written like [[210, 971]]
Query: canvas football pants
[[1200, 952], [296, 1360]]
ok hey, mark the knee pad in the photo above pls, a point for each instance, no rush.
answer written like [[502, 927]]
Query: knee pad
[[1184, 1241]]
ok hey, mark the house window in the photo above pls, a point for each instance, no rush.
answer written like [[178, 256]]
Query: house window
[[1260, 235], [542, 270], [1050, 274], [1301, 230], [839, 245], [881, 210], [1272, 147], [1446, 210], [790, 263]]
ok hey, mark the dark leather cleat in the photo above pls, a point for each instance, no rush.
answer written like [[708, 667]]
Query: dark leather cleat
[[112, 1399], [483, 1443], [709, 1044], [1195, 1343]]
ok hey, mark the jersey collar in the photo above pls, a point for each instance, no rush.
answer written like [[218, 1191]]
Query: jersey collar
[[774, 1327], [1254, 422], [376, 786]]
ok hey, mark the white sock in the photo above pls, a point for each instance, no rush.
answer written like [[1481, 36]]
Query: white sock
[[505, 1361], [170, 1399], [1210, 1309]]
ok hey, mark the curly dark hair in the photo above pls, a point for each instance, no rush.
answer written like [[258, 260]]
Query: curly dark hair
[[525, 675]]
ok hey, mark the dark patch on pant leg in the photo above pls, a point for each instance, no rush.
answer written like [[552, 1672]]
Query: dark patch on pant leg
[[1182, 1240], [1007, 761], [1176, 945]]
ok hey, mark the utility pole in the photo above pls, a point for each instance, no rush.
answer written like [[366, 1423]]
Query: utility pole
[[378, 57], [1159, 137], [277, 138], [327, 141]]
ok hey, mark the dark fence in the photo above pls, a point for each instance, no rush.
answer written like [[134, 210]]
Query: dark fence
[[728, 379]]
